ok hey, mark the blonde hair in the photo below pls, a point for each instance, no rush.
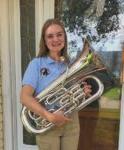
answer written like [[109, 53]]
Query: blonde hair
[[43, 50]]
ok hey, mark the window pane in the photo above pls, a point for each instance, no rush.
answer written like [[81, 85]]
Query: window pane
[[27, 19], [102, 23]]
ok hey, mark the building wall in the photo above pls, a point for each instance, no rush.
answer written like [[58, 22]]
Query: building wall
[[1, 113]]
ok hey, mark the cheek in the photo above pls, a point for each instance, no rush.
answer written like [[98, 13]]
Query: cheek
[[63, 42], [48, 44]]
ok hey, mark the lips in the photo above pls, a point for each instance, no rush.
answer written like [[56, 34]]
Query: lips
[[57, 45]]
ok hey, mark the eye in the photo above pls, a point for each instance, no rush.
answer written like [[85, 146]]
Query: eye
[[59, 35], [50, 36]]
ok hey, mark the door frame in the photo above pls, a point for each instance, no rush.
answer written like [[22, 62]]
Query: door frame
[[11, 66], [9, 38]]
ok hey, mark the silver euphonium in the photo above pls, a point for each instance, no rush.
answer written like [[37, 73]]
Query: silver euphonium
[[66, 92]]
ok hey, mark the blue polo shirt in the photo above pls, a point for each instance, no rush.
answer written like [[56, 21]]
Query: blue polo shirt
[[41, 72]]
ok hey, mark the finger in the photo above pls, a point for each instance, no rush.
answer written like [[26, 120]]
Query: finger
[[68, 119], [84, 83], [87, 86]]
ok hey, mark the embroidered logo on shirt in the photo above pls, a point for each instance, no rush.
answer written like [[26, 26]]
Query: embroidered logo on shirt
[[44, 72]]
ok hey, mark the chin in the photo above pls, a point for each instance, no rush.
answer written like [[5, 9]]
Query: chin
[[57, 49]]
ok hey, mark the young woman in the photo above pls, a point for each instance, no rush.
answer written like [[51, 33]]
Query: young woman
[[40, 73]]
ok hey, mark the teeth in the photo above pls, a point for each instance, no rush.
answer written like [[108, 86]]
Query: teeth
[[56, 45]]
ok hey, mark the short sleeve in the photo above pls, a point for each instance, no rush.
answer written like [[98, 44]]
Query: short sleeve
[[31, 74]]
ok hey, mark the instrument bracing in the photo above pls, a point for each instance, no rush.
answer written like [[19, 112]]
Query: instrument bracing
[[66, 92]]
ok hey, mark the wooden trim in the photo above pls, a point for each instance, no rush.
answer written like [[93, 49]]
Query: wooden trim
[[121, 134], [122, 65], [100, 113]]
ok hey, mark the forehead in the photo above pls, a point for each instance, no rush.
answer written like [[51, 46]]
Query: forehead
[[54, 29]]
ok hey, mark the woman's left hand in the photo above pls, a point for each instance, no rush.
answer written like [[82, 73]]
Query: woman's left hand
[[87, 89]]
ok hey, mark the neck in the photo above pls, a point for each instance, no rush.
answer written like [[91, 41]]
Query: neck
[[56, 56]]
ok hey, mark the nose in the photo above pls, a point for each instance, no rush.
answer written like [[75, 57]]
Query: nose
[[55, 38]]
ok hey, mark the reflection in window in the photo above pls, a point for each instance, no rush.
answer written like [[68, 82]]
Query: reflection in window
[[102, 23], [27, 20]]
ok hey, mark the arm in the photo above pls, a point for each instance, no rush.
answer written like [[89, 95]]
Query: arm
[[31, 103]]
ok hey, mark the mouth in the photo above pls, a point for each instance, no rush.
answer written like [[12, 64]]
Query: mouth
[[56, 44]]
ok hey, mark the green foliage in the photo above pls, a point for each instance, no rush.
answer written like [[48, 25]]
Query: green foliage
[[109, 20], [74, 15], [113, 93]]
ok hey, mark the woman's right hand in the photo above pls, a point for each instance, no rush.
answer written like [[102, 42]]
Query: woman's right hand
[[58, 118]]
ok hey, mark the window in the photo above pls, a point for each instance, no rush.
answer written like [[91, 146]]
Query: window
[[101, 22]]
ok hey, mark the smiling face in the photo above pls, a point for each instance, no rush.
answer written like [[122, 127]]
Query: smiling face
[[55, 39]]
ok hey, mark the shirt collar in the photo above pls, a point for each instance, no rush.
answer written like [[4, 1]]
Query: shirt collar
[[51, 61]]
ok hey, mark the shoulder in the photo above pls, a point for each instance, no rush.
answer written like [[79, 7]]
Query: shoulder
[[35, 61], [38, 62]]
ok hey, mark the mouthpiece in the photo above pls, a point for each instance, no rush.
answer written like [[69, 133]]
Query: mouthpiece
[[62, 59]]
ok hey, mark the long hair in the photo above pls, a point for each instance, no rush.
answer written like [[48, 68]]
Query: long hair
[[43, 50]]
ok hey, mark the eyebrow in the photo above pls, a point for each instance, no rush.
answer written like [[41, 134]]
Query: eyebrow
[[55, 33]]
